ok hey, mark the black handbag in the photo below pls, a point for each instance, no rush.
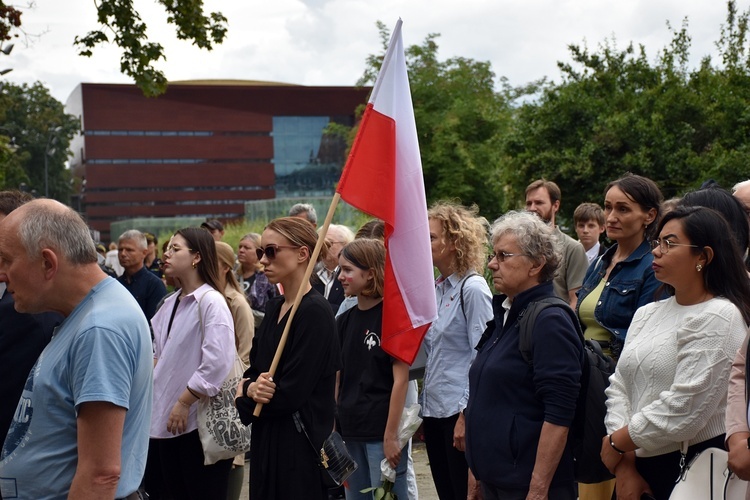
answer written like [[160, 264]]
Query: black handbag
[[333, 457]]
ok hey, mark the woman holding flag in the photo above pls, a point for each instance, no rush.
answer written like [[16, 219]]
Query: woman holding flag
[[283, 464]]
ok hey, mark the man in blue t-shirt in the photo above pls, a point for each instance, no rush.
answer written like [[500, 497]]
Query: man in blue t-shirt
[[81, 426]]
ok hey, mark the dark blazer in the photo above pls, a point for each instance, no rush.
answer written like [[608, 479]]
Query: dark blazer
[[335, 294]]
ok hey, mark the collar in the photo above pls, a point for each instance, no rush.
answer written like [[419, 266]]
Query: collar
[[137, 273], [593, 252], [199, 292], [519, 302], [454, 279], [643, 249]]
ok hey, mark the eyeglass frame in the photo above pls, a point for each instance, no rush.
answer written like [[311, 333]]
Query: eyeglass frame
[[658, 243], [261, 251], [171, 249], [494, 255]]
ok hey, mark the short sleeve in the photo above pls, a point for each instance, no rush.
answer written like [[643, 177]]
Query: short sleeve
[[102, 367]]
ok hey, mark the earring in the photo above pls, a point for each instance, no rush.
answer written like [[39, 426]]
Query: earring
[[698, 267], [196, 265]]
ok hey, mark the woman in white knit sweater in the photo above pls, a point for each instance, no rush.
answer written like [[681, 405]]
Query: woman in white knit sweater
[[671, 380]]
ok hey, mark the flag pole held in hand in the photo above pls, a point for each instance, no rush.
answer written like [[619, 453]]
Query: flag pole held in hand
[[301, 291]]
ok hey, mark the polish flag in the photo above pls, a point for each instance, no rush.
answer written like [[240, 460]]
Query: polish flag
[[383, 177]]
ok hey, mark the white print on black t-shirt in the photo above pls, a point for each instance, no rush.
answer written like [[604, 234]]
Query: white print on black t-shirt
[[371, 340]]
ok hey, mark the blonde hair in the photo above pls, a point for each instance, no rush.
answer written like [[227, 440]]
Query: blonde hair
[[466, 230], [225, 255], [255, 239]]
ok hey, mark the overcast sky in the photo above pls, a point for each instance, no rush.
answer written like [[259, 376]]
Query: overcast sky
[[325, 42]]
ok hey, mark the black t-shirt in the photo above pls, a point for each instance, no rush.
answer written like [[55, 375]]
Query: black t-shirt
[[366, 377]]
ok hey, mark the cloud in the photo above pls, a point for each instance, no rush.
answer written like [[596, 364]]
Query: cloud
[[325, 42]]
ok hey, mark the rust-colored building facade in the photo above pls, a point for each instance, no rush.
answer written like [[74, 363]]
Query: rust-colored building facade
[[204, 148]]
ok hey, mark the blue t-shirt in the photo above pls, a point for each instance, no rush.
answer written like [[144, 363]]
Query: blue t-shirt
[[101, 352]]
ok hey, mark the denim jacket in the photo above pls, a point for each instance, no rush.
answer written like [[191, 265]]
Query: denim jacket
[[631, 284]]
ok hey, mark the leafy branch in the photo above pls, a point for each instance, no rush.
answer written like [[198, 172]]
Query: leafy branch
[[119, 18]]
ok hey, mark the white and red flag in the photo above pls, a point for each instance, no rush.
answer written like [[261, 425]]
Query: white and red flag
[[383, 177]]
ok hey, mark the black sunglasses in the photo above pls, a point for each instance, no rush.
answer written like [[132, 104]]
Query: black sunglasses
[[270, 251]]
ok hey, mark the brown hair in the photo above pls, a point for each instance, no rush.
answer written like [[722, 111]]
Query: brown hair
[[588, 211], [200, 241], [12, 199], [369, 255], [643, 191], [552, 189], [374, 228]]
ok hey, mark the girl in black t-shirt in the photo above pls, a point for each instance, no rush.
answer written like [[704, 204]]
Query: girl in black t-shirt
[[372, 384]]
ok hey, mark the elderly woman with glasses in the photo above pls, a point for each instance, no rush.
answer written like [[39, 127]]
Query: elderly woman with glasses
[[283, 460], [519, 413], [670, 387]]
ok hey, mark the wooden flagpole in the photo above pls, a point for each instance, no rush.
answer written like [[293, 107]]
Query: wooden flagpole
[[300, 292]]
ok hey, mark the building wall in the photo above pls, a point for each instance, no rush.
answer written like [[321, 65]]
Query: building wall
[[203, 150]]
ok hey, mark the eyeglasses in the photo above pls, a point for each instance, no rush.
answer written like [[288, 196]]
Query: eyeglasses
[[270, 251], [501, 256], [665, 245], [173, 249]]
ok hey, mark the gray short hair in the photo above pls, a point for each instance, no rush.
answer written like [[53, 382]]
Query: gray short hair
[[134, 235], [304, 208], [535, 239], [740, 185], [57, 227]]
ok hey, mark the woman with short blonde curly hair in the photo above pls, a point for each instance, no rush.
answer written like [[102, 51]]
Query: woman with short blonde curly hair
[[459, 245]]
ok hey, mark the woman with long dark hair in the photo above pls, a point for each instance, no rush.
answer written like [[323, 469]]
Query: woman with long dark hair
[[194, 351], [670, 386], [621, 280]]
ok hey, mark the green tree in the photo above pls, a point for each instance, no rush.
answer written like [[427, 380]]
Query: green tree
[[128, 31], [121, 24], [614, 111], [10, 21], [38, 126], [461, 120]]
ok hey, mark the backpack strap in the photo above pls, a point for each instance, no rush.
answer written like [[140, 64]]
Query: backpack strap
[[461, 292], [528, 316]]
